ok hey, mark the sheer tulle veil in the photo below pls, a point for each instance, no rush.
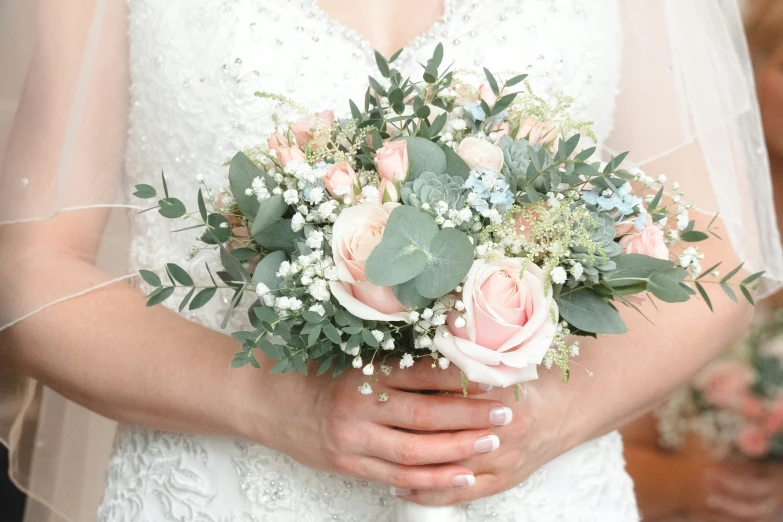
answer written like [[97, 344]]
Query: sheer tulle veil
[[686, 107]]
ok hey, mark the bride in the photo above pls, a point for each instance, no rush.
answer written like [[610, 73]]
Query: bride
[[118, 91]]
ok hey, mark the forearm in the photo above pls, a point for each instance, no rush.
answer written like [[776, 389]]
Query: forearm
[[635, 371], [110, 353]]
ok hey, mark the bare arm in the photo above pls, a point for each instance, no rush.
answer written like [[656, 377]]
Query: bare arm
[[149, 366]]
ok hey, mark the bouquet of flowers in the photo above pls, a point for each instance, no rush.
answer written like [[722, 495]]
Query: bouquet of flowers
[[736, 403], [455, 219]]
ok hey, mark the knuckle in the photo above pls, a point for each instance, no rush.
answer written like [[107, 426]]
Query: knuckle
[[407, 452], [400, 479], [343, 464], [421, 415]]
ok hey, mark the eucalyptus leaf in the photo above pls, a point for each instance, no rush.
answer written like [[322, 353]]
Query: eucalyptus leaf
[[631, 268], [270, 211], [279, 236], [202, 298], [266, 270], [160, 295], [241, 174], [424, 156], [145, 191], [171, 208], [455, 166], [665, 285], [585, 310], [179, 274], [449, 259], [409, 297], [150, 277]]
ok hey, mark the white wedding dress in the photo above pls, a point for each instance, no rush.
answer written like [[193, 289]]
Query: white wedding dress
[[195, 65]]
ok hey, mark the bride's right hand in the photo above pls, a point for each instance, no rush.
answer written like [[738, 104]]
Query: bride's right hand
[[408, 442]]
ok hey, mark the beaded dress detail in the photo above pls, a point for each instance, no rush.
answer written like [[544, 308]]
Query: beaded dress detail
[[195, 65]]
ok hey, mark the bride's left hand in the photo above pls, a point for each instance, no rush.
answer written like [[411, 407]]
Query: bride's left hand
[[526, 444]]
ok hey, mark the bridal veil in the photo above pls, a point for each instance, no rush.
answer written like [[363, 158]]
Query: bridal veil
[[686, 107]]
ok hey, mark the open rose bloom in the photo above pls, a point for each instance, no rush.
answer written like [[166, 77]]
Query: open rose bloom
[[510, 321]]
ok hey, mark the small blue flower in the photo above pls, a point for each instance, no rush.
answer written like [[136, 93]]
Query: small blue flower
[[622, 200], [475, 110], [640, 222]]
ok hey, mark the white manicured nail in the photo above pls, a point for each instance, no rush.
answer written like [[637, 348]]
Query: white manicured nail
[[487, 444], [485, 387], [500, 416], [401, 492], [463, 480]]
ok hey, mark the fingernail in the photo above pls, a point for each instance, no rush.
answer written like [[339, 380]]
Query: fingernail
[[401, 492], [500, 416], [487, 444], [485, 387], [463, 480]]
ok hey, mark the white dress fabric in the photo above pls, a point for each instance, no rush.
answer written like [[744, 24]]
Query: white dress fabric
[[195, 65]]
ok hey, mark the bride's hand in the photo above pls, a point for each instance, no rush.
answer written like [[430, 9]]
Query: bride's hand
[[525, 445], [326, 423]]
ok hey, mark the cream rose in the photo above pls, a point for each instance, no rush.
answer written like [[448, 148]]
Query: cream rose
[[480, 154], [648, 242], [355, 234], [510, 321]]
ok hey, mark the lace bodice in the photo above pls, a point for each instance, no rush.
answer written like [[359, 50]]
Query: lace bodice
[[195, 65]]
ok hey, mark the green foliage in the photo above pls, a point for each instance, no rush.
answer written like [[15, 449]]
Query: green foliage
[[587, 311], [414, 247], [424, 156], [241, 174], [279, 236], [430, 188], [270, 211], [145, 191]]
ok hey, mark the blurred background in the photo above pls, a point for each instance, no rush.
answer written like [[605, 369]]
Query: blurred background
[[714, 452]]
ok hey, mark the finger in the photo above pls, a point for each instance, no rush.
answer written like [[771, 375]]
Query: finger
[[412, 449], [740, 487], [414, 411], [422, 377], [485, 486], [741, 510], [405, 479]]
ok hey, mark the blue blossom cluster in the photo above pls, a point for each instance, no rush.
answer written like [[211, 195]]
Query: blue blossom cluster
[[486, 188], [607, 199]]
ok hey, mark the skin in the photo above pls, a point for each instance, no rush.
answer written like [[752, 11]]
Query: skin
[[690, 481], [155, 368]]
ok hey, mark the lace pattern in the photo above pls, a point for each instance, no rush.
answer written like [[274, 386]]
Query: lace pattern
[[195, 65]]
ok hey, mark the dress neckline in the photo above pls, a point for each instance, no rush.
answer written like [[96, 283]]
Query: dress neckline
[[365, 46]]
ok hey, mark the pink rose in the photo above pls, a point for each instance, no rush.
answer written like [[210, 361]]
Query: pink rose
[[485, 93], [340, 180], [524, 222], [648, 242], [285, 151], [355, 234], [303, 131], [480, 154], [536, 132], [510, 321], [774, 423], [501, 129], [391, 160], [752, 408], [725, 383], [753, 442]]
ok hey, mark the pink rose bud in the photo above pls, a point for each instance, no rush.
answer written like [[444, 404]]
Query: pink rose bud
[[536, 132], [287, 154], [648, 242], [277, 141], [391, 160], [341, 180], [486, 94], [388, 192], [752, 408], [303, 131]]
